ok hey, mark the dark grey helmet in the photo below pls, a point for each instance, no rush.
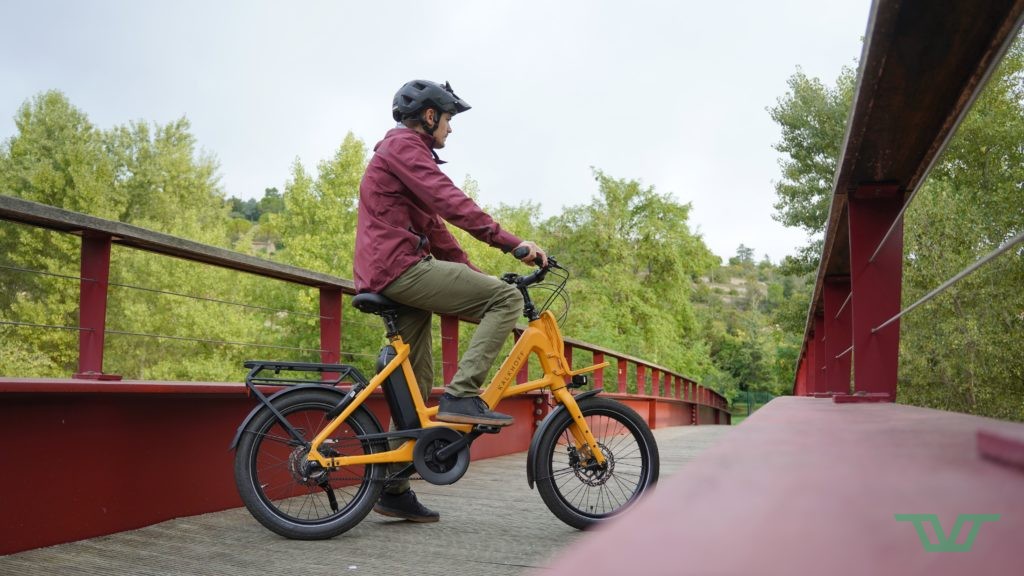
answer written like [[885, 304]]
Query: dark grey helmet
[[419, 95]]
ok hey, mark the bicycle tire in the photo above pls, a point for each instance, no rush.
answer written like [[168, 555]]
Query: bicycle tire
[[271, 487], [583, 498]]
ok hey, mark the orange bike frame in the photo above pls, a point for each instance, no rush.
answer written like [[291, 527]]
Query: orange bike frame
[[541, 337]]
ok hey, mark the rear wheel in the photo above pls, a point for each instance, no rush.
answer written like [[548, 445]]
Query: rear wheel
[[280, 488], [578, 490]]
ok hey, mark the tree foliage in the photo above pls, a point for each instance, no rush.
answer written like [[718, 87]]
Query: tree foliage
[[639, 282]]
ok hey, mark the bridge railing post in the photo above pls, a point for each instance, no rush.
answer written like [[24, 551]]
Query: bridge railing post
[[449, 347], [330, 328], [836, 291], [875, 284], [92, 306]]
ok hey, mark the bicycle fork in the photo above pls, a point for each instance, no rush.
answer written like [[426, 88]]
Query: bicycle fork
[[586, 444]]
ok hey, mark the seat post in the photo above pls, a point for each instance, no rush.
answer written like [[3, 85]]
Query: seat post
[[390, 322]]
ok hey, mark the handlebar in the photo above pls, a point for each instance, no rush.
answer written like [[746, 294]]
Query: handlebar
[[522, 282], [521, 252], [537, 275]]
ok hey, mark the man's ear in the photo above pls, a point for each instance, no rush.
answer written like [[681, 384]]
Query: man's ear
[[429, 116]]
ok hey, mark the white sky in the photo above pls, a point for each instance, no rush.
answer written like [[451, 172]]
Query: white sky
[[671, 93]]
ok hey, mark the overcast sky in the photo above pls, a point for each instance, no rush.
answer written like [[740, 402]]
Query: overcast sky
[[670, 93]]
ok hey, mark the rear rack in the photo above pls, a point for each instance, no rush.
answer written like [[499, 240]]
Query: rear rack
[[341, 372]]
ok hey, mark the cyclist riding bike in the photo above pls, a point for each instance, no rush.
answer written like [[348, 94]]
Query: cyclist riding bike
[[404, 251]]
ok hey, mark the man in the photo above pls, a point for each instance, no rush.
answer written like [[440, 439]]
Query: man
[[404, 251]]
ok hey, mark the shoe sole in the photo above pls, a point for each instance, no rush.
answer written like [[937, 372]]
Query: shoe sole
[[461, 419], [419, 519]]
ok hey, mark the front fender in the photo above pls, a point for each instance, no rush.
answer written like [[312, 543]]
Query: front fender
[[531, 465], [289, 390]]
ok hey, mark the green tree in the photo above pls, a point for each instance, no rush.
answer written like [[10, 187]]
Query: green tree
[[56, 158], [962, 350], [635, 263], [812, 117]]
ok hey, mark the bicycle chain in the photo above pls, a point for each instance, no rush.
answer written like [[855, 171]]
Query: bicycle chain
[[387, 479]]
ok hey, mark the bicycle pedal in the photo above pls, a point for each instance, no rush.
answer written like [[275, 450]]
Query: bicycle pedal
[[485, 429]]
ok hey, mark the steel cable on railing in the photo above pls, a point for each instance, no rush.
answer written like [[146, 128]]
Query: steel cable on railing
[[211, 341], [170, 337], [963, 273], [167, 292], [843, 307], [34, 325]]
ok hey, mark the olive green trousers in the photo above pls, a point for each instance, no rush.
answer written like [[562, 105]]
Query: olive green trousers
[[436, 286]]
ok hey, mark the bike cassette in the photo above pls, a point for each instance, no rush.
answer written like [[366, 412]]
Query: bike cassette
[[434, 469]]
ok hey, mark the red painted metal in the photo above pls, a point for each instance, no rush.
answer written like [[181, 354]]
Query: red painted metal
[[125, 473], [641, 379], [92, 307], [811, 487], [801, 377], [598, 375], [1002, 446], [818, 359], [567, 351], [330, 328], [840, 336], [812, 374], [876, 291], [861, 397], [449, 347], [623, 377], [656, 383]]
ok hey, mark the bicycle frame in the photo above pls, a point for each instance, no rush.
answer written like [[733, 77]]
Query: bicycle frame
[[541, 337]]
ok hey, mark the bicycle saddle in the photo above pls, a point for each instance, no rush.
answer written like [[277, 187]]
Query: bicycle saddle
[[374, 303]]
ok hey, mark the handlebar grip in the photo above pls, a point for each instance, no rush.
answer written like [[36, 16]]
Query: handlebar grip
[[521, 251]]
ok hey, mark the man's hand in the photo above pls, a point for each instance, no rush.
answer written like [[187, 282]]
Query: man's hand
[[534, 253]]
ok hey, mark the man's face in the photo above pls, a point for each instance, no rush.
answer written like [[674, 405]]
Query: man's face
[[443, 130]]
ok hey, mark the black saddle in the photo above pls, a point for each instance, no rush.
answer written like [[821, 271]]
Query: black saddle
[[374, 303]]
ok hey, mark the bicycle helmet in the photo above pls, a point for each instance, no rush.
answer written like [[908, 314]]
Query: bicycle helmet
[[418, 95]]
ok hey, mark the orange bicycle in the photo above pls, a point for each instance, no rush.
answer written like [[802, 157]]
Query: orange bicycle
[[311, 459]]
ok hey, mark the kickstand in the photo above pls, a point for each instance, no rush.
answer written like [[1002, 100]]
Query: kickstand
[[326, 487]]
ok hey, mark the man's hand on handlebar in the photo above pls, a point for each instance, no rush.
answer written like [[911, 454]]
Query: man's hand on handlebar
[[530, 253]]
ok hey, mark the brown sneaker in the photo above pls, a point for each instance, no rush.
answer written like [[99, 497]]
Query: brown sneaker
[[471, 410], [406, 506]]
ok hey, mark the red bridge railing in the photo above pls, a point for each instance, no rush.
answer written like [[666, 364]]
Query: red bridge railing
[[127, 453]]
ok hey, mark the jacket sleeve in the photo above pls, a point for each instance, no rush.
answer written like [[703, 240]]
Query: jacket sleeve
[[444, 246], [413, 164]]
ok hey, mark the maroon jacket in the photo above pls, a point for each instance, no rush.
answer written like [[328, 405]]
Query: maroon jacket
[[402, 200]]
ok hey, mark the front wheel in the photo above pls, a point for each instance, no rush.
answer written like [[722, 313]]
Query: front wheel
[[578, 491], [280, 488]]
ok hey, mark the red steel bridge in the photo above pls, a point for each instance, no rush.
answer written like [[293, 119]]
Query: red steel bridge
[[106, 426], [809, 484]]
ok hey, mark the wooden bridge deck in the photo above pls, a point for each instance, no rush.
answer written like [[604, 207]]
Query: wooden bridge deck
[[491, 523]]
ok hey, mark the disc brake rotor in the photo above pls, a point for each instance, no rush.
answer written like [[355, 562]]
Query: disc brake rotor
[[593, 474]]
